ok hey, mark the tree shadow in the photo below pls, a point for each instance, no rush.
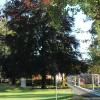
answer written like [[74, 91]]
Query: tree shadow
[[40, 96]]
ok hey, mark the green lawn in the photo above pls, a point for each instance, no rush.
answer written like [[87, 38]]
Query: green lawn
[[90, 86], [14, 93]]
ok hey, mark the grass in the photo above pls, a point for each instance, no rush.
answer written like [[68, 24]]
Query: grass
[[15, 93], [90, 86]]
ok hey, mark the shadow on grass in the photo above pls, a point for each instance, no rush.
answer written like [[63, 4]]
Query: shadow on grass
[[10, 88], [40, 96], [7, 91], [15, 89]]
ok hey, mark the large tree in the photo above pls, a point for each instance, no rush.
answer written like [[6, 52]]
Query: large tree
[[4, 48], [95, 54], [42, 43]]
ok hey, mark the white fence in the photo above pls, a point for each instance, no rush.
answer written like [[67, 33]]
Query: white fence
[[85, 84]]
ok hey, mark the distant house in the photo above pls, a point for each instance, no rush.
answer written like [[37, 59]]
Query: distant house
[[36, 77]]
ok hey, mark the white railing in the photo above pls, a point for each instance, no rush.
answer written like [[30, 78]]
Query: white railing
[[85, 84]]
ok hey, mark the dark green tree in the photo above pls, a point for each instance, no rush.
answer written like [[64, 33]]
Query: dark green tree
[[4, 48], [41, 44]]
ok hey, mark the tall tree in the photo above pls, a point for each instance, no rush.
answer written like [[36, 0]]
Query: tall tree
[[41, 43], [95, 53], [4, 48]]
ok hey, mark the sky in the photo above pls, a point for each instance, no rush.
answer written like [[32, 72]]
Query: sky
[[81, 23], [81, 29], [2, 2]]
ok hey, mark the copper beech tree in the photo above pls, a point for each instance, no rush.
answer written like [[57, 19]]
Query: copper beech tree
[[38, 46]]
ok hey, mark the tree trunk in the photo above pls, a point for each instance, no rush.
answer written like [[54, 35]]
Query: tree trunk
[[63, 80], [43, 81], [13, 81], [54, 80]]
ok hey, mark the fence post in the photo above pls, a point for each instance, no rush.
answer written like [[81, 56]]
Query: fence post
[[98, 80], [78, 80], [92, 81], [75, 80]]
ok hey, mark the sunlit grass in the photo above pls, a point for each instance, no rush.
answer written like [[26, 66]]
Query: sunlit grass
[[14, 93], [90, 86]]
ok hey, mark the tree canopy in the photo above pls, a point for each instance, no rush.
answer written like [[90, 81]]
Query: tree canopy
[[41, 42]]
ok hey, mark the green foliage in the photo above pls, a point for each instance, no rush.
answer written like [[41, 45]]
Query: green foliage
[[3, 28], [4, 48], [92, 8], [95, 52], [42, 42], [37, 38]]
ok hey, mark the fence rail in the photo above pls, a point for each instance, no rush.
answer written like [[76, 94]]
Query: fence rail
[[85, 84]]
